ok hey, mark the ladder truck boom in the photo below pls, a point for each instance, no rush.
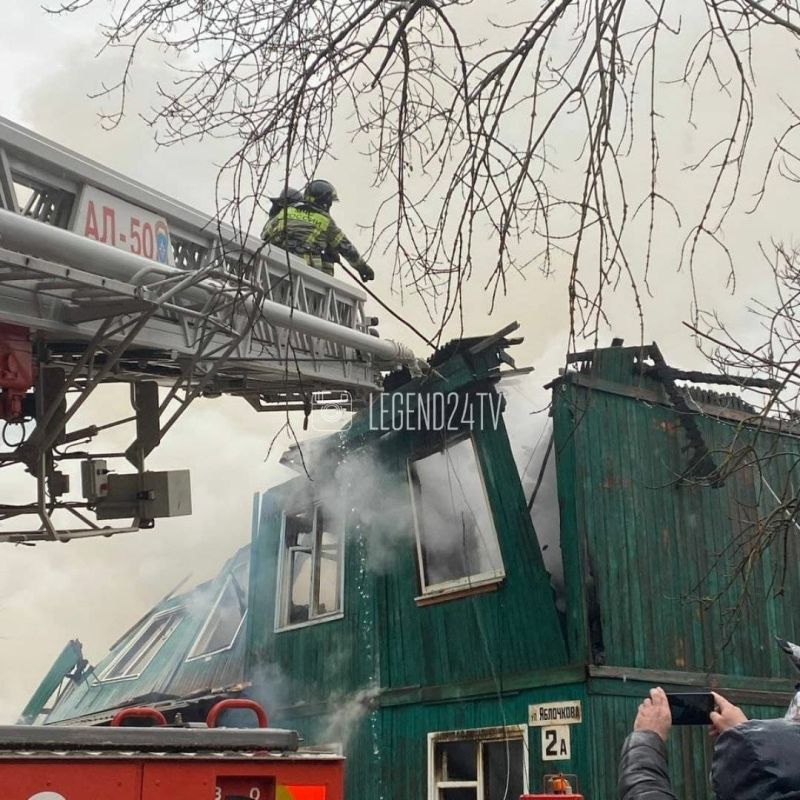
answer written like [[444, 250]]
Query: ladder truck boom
[[104, 280]]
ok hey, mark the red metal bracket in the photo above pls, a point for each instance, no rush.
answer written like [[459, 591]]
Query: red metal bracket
[[17, 371], [236, 702], [138, 711]]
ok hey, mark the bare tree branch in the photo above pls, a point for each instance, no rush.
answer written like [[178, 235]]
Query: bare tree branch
[[517, 134]]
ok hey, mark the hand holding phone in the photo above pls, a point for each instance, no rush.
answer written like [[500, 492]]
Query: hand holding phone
[[726, 715], [654, 714]]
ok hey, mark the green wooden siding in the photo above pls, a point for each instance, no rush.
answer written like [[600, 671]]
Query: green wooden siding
[[316, 661], [660, 549], [386, 741], [511, 630], [387, 745], [385, 637], [386, 645], [640, 549]]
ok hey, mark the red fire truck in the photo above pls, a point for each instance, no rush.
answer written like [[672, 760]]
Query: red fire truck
[[156, 762]]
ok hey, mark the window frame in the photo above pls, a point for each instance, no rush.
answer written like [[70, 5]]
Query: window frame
[[177, 611], [284, 572], [480, 736], [458, 586], [229, 579]]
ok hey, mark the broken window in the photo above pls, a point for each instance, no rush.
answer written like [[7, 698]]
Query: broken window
[[226, 616], [312, 556], [486, 764], [456, 539], [143, 645]]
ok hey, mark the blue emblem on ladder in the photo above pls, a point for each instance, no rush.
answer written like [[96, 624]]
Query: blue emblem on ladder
[[162, 243]]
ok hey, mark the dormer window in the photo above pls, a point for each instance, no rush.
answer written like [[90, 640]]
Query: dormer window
[[226, 616], [143, 646]]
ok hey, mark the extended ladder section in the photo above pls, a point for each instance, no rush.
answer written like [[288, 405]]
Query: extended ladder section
[[105, 280], [80, 244]]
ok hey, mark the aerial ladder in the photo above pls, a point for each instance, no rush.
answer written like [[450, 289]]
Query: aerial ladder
[[103, 280]]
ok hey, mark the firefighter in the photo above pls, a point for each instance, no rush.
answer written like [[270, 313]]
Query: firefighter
[[308, 230]]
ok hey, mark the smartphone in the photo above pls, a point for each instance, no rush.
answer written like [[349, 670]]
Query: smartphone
[[691, 708]]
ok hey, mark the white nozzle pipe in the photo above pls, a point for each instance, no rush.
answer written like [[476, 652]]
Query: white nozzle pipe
[[39, 240]]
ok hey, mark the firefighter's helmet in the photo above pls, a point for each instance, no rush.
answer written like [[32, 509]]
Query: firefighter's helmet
[[287, 197], [321, 194]]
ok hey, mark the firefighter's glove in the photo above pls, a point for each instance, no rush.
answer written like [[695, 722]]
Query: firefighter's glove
[[367, 273]]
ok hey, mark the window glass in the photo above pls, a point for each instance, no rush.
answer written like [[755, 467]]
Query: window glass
[[227, 613], [460, 793], [300, 584], [145, 644], [299, 529], [329, 561], [487, 764], [502, 769], [456, 537], [459, 761], [312, 564]]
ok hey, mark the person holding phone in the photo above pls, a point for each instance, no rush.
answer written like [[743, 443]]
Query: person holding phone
[[643, 764], [753, 759]]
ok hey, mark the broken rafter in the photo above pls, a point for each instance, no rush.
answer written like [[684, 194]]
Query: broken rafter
[[488, 341], [702, 462], [693, 376]]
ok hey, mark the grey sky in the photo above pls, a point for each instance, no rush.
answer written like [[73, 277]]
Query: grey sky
[[95, 589]]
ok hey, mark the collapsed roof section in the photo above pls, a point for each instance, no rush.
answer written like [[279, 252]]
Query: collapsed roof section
[[641, 372], [459, 368], [182, 656]]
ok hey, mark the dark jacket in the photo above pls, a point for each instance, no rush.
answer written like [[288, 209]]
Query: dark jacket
[[643, 768], [758, 760]]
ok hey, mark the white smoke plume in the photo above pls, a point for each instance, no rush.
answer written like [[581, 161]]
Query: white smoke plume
[[349, 714], [360, 490], [530, 431]]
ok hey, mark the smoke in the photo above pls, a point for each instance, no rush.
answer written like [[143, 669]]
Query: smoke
[[530, 431], [277, 691], [344, 722], [95, 589], [360, 491], [271, 687]]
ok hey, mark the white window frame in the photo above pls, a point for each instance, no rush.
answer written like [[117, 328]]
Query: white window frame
[[197, 656], [284, 575], [469, 581], [479, 735], [179, 611]]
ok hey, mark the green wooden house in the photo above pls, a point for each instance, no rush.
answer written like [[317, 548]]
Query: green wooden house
[[400, 609]]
